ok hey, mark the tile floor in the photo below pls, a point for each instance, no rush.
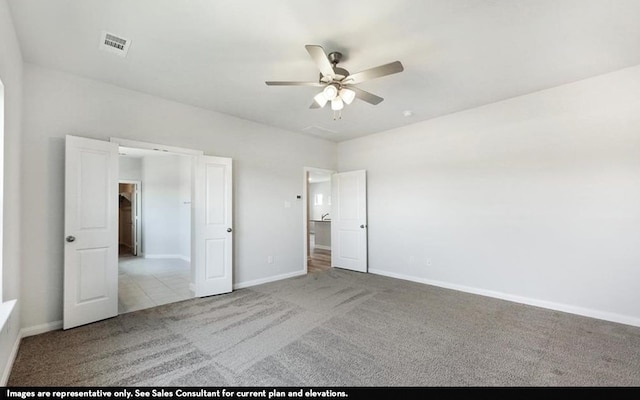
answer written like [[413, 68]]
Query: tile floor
[[145, 283]]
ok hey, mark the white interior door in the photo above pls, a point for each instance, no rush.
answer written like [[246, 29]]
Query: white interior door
[[213, 227], [91, 231], [349, 220]]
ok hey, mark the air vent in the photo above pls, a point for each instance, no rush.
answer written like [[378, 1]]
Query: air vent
[[114, 44]]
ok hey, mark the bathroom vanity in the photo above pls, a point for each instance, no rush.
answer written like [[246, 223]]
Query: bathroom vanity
[[322, 230]]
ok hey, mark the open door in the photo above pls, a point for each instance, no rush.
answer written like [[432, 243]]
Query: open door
[[91, 231], [213, 225], [349, 221], [134, 225]]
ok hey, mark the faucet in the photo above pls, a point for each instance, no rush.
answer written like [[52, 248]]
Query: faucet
[[324, 216]]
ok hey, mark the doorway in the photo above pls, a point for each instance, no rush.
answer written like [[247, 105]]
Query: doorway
[[154, 258], [91, 226], [317, 220], [128, 218]]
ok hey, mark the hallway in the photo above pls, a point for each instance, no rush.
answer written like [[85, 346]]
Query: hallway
[[145, 283], [319, 259]]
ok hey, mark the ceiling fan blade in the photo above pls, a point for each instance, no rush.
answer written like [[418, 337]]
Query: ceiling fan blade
[[322, 61], [366, 96], [293, 83], [375, 72]]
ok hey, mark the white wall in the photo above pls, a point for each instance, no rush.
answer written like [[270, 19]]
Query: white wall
[[11, 76], [185, 167], [323, 188], [534, 199], [166, 206], [130, 168], [268, 170]]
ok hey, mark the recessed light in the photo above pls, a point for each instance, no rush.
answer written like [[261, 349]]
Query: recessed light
[[407, 113]]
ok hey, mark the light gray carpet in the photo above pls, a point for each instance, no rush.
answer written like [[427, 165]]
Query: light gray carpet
[[336, 328]]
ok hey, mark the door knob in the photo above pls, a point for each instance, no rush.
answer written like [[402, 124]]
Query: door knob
[[362, 226], [70, 238], [229, 229]]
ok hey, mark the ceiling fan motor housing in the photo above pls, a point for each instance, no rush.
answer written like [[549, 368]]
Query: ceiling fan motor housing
[[341, 73]]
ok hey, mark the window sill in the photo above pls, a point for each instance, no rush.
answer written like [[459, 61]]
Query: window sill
[[5, 312]]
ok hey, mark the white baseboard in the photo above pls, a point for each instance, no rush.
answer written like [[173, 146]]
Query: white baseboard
[[42, 328], [585, 312], [25, 332], [322, 247], [12, 358], [269, 279]]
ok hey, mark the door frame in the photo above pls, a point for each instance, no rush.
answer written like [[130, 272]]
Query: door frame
[[196, 156], [177, 151], [111, 207], [305, 211], [137, 246], [157, 147], [181, 151]]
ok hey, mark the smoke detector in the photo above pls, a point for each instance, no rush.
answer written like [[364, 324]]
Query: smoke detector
[[114, 44]]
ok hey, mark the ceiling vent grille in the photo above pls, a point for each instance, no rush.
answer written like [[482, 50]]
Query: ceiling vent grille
[[114, 44]]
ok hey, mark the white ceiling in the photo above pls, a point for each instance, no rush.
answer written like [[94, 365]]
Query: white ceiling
[[457, 54]]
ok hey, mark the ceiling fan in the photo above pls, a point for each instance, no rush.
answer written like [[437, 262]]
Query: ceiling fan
[[337, 83]]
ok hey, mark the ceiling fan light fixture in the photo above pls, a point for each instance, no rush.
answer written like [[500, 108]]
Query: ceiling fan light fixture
[[337, 104], [337, 83], [347, 95], [321, 99], [330, 92]]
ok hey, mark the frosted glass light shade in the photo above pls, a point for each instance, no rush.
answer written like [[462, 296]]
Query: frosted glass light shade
[[330, 92], [337, 104], [320, 99], [347, 95]]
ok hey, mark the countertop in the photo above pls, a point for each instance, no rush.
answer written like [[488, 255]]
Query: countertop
[[320, 220]]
